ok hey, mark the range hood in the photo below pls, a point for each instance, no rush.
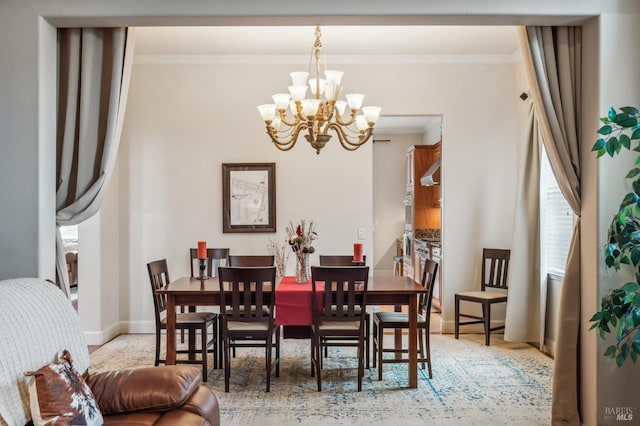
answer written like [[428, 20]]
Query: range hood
[[427, 178]]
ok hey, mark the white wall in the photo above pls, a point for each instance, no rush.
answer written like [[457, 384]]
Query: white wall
[[183, 121]]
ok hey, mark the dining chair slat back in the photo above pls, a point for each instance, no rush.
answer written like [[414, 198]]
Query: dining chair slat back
[[215, 257], [247, 297], [251, 260], [341, 312]]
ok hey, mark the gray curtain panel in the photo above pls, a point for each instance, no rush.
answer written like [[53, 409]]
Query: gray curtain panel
[[92, 90], [553, 62], [524, 320]]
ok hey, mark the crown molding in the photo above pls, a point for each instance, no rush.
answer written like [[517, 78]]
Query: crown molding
[[152, 59]]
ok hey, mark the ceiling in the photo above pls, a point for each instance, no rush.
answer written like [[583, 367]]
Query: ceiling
[[337, 40], [343, 43]]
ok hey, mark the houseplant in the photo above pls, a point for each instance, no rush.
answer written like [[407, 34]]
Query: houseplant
[[620, 307]]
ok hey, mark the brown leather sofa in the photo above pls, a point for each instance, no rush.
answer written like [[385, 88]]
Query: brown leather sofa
[[169, 395], [40, 322]]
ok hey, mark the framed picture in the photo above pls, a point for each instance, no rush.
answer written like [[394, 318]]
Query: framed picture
[[248, 197]]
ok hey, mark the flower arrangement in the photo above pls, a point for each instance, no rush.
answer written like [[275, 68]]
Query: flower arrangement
[[301, 237], [280, 254]]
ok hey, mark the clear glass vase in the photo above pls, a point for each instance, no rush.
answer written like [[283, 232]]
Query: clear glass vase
[[302, 269]]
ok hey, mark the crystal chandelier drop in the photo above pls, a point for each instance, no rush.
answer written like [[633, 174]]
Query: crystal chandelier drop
[[292, 113]]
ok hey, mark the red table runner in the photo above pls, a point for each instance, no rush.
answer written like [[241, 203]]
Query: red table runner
[[293, 302]]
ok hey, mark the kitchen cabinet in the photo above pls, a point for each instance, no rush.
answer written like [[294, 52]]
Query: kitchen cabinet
[[426, 199]]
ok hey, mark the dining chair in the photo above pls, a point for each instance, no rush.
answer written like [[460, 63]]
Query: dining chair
[[251, 260], [190, 321], [395, 320], [495, 266], [215, 257], [341, 312], [347, 260], [247, 307]]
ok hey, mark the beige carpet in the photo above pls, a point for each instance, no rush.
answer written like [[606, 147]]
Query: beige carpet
[[504, 384]]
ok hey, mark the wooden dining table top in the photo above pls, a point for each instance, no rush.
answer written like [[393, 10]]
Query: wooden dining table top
[[377, 284]]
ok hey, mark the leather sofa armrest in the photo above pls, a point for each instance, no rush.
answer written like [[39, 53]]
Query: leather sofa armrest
[[143, 389]]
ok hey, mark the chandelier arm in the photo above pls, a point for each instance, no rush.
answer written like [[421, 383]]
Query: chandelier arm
[[289, 143], [350, 121], [344, 138]]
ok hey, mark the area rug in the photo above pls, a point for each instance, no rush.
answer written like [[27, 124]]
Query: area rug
[[472, 384]]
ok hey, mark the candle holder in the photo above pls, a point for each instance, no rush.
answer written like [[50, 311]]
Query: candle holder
[[202, 276]]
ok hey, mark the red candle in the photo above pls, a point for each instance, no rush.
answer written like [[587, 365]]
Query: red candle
[[357, 252], [202, 249]]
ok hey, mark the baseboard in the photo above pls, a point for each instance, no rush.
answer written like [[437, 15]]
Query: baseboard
[[102, 337], [138, 327]]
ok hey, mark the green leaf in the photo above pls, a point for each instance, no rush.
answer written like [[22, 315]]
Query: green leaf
[[612, 113], [620, 360], [636, 134], [624, 350], [596, 316], [630, 287], [633, 173], [634, 357], [635, 255], [625, 141], [614, 321], [628, 122], [610, 351], [629, 110], [636, 300], [628, 199], [605, 130], [598, 145]]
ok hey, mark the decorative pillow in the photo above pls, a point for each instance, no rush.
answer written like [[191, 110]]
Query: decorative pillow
[[60, 396]]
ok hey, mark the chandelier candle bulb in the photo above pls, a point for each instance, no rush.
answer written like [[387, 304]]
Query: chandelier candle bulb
[[315, 117], [202, 249], [357, 252]]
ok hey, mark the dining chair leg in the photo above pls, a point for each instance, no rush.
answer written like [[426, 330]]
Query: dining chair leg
[[380, 347], [486, 314], [361, 357], [278, 352], [318, 361], [214, 331], [157, 362], [367, 342], [219, 341], [374, 336], [268, 353], [203, 333], [313, 355], [428, 349], [227, 364], [456, 317], [421, 344]]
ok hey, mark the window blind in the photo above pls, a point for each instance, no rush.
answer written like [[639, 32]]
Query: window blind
[[556, 221]]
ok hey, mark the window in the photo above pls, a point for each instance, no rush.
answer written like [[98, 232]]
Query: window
[[69, 237], [556, 220]]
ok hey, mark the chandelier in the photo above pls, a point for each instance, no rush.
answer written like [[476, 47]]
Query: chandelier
[[292, 113]]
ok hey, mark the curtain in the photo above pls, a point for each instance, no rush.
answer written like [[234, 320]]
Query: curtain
[[94, 68], [552, 57], [525, 319]]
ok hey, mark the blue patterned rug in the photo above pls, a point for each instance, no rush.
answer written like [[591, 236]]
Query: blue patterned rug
[[504, 384]]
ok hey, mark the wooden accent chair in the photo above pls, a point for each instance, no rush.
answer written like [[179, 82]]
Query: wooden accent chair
[[342, 314], [347, 260], [251, 261], [495, 266], [190, 321], [384, 320], [247, 297]]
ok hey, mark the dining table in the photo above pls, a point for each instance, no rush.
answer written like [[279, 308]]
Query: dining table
[[293, 306]]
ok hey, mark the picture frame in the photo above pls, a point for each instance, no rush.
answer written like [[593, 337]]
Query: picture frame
[[248, 197]]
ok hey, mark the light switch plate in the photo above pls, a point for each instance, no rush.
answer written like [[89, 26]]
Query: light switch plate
[[361, 233]]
